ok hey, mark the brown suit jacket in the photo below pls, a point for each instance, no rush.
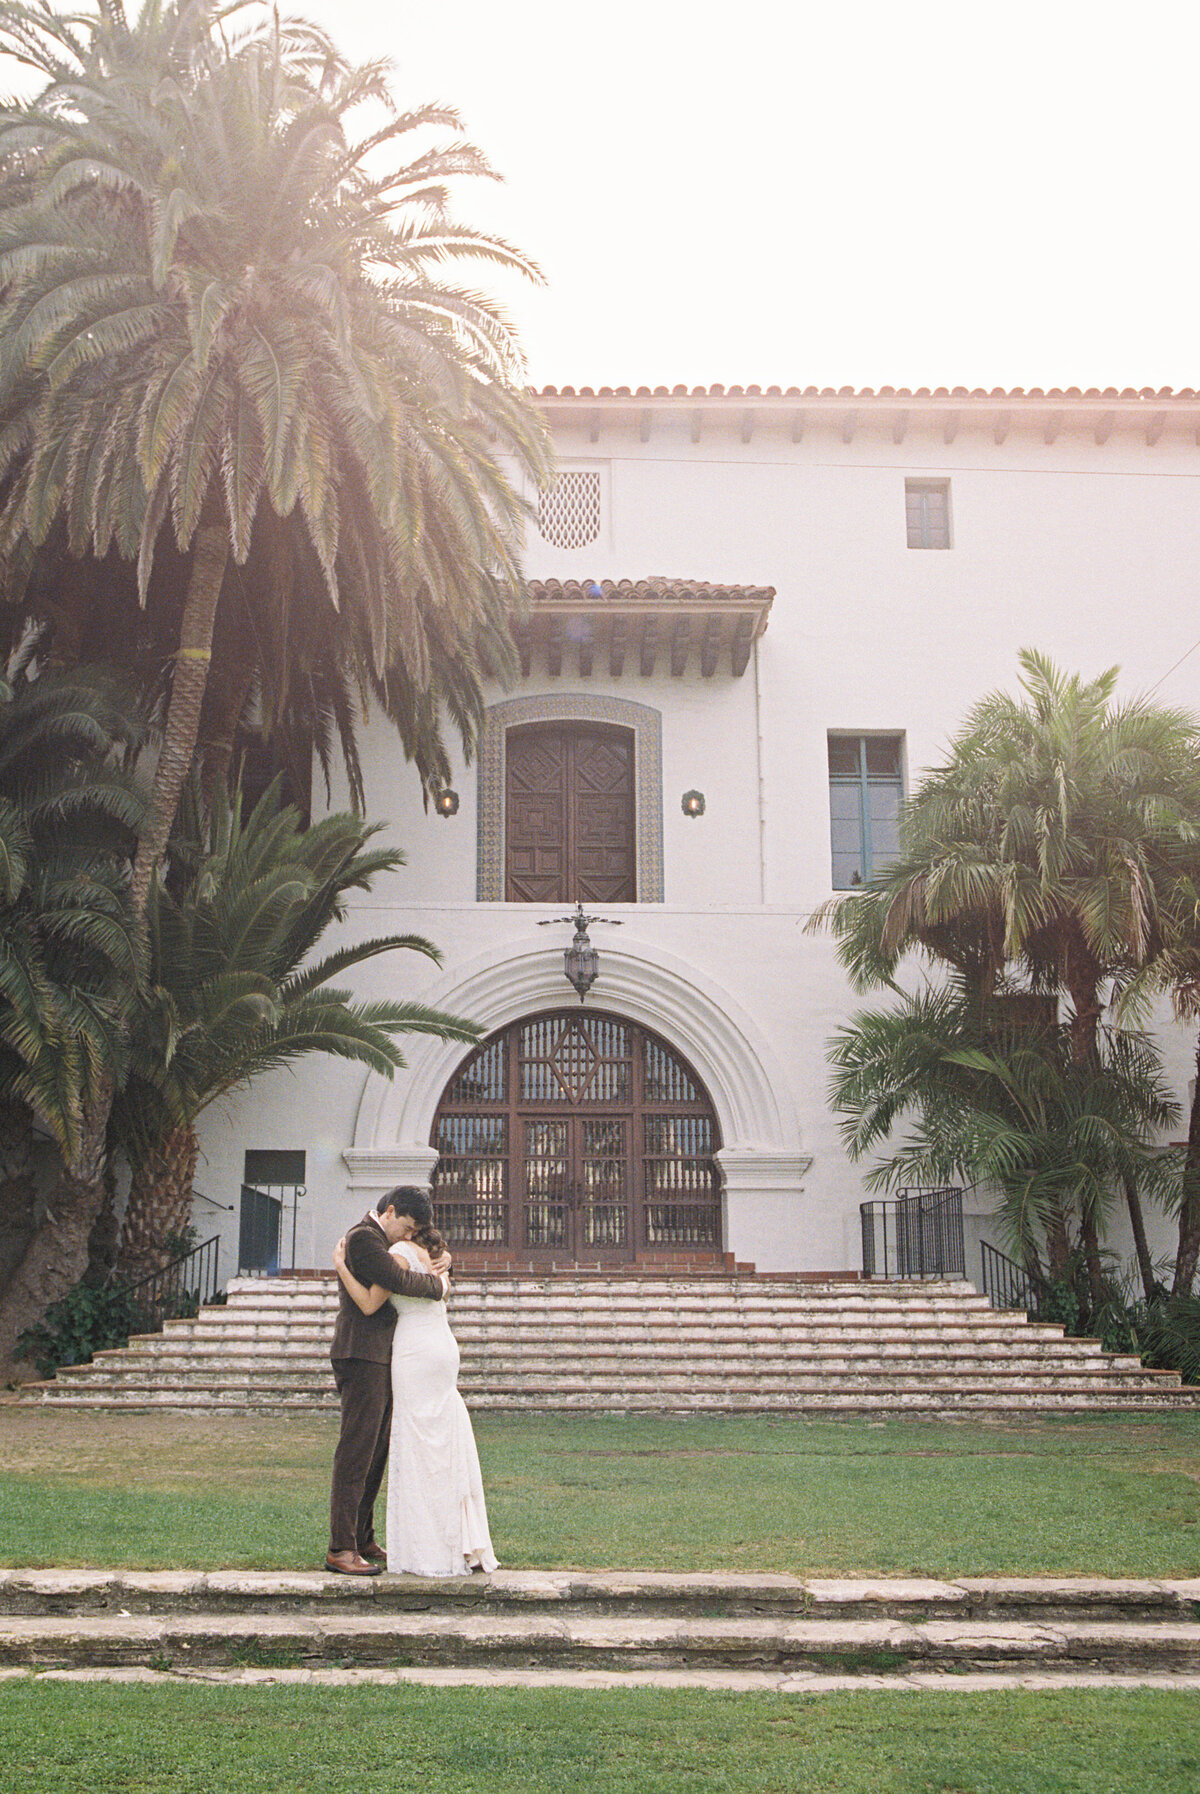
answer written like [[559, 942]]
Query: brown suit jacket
[[369, 1336]]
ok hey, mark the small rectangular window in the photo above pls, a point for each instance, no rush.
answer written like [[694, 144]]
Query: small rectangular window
[[866, 790], [927, 513]]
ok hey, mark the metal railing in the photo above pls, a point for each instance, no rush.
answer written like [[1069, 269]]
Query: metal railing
[[920, 1234], [176, 1292], [1006, 1284]]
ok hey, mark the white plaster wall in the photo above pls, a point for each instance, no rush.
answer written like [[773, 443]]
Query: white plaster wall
[[1086, 552]]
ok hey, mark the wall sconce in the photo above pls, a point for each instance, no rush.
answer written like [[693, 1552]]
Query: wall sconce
[[446, 803], [692, 803]]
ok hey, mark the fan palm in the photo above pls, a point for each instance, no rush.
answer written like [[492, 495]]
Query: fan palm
[[1003, 1106], [233, 991], [1049, 842], [224, 320]]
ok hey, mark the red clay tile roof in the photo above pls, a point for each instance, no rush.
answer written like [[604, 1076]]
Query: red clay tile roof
[[997, 394], [658, 589]]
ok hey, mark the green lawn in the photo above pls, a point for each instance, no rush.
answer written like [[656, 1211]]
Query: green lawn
[[1114, 1495], [97, 1739]]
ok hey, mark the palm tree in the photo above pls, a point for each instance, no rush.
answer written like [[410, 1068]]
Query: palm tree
[[233, 991], [67, 960], [228, 347], [1004, 1105], [1049, 842], [224, 321]]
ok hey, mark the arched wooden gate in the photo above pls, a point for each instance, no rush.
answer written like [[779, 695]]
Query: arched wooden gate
[[571, 1137]]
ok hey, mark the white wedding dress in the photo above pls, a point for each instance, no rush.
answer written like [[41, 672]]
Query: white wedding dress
[[436, 1516]]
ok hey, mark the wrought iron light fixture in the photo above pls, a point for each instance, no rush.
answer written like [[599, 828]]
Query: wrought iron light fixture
[[692, 803], [446, 802], [581, 961]]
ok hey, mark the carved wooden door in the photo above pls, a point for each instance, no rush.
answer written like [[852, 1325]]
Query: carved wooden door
[[569, 814]]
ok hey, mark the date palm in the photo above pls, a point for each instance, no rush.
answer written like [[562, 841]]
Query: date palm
[[225, 321], [67, 961], [234, 990], [229, 348]]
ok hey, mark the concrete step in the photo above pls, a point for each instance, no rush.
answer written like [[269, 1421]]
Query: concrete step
[[619, 1621], [267, 1400], [29, 1592], [717, 1345], [596, 1376]]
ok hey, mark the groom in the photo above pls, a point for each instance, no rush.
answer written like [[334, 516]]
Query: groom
[[362, 1369]]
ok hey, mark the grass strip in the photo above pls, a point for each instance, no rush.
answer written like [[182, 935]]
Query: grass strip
[[105, 1739], [1102, 1496]]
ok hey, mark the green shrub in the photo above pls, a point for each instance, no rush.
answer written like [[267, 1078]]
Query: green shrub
[[87, 1320]]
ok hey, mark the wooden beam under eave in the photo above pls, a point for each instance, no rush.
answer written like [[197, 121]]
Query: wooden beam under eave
[[1053, 426], [743, 641], [525, 650], [649, 646], [849, 427], [697, 425], [585, 656], [681, 642], [899, 427], [710, 648], [593, 427], [1154, 427], [1104, 428], [798, 426], [644, 423], [554, 648], [950, 427], [747, 425], [617, 642], [1000, 431]]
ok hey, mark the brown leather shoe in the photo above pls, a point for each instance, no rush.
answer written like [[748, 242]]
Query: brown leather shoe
[[374, 1554], [349, 1563]]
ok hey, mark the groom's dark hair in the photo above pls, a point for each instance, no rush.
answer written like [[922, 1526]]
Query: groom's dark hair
[[406, 1199]]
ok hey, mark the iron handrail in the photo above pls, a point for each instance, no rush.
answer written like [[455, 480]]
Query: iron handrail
[[1006, 1284], [175, 1293], [920, 1234]]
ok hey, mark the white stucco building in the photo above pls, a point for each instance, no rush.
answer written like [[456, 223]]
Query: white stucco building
[[782, 602]]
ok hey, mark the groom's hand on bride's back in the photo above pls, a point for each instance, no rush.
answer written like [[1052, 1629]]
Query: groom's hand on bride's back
[[440, 1266]]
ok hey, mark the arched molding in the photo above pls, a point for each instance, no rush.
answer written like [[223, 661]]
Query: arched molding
[[568, 707], [688, 1010]]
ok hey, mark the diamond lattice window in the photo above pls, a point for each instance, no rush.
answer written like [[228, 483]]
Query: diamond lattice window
[[569, 513]]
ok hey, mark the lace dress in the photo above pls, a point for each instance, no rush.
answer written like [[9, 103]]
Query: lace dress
[[436, 1516]]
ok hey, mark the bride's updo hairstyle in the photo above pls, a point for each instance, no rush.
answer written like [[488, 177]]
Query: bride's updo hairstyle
[[416, 1205]]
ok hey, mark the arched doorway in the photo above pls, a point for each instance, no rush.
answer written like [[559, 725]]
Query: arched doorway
[[577, 1138]]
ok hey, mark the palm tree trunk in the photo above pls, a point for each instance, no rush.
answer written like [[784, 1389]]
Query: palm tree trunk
[[17, 1189], [1090, 1240], [210, 556], [1189, 1206], [57, 1255], [160, 1202], [1137, 1222]]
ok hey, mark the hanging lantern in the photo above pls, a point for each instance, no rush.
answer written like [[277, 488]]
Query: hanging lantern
[[581, 961]]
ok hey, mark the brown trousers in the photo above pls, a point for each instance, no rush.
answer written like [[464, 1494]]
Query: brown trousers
[[362, 1448]]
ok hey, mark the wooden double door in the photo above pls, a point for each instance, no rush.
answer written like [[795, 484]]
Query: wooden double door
[[569, 814], [577, 1138]]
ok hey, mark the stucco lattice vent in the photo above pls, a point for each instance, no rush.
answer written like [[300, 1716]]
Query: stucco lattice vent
[[569, 512]]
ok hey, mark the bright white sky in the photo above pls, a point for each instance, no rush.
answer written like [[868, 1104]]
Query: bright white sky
[[857, 192]]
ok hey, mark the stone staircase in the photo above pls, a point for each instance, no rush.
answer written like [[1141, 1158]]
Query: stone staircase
[[572, 1342], [598, 1627]]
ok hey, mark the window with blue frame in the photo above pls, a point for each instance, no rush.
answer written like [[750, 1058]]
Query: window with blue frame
[[866, 789]]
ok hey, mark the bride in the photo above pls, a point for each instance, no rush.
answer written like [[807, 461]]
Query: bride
[[436, 1517]]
